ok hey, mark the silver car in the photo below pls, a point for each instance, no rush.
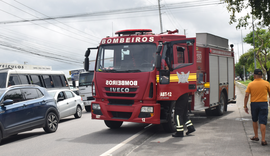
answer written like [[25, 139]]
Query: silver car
[[68, 103]]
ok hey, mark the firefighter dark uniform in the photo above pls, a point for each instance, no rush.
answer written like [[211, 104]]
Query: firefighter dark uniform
[[181, 117]]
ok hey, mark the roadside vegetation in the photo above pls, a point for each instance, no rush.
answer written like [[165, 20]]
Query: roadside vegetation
[[245, 82], [258, 17]]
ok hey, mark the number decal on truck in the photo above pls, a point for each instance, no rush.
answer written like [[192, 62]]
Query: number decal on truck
[[143, 119], [163, 94]]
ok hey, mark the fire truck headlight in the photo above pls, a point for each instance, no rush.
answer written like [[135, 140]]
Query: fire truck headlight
[[95, 106], [93, 89], [147, 109]]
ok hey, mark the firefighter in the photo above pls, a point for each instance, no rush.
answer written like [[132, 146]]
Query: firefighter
[[181, 117]]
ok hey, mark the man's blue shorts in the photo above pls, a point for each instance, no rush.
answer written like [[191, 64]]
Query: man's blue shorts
[[259, 110]]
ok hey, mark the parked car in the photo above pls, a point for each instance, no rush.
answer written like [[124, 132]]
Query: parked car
[[68, 103], [26, 107], [76, 91]]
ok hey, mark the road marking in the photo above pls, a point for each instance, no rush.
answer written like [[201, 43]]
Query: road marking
[[109, 152]]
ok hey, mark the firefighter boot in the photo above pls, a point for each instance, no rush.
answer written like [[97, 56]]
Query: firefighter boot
[[190, 129], [178, 134]]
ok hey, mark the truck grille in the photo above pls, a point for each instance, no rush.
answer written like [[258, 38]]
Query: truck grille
[[121, 102], [121, 115], [130, 89], [120, 95]]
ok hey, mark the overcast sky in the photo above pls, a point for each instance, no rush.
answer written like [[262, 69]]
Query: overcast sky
[[35, 42]]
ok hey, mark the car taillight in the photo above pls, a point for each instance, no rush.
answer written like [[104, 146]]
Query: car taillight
[[81, 99], [93, 89]]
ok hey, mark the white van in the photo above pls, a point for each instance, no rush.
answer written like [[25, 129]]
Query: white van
[[85, 88]]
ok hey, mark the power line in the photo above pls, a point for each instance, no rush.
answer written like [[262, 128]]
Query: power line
[[123, 11], [54, 19], [41, 25], [8, 41], [38, 54]]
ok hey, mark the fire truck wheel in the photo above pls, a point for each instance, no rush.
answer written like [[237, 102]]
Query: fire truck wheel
[[221, 107], [169, 126], [88, 108], [113, 124], [209, 112]]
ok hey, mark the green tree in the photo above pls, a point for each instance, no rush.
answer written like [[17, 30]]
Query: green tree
[[262, 49], [259, 10], [246, 60], [239, 70]]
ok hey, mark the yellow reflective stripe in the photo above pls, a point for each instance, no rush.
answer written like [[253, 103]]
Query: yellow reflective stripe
[[189, 121], [189, 124], [177, 120], [179, 130], [174, 77], [179, 126]]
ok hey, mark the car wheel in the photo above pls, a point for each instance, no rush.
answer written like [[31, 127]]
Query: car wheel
[[78, 113], [51, 124]]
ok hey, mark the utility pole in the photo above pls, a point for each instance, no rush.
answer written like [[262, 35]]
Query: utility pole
[[238, 54], [244, 74], [160, 20], [254, 44], [242, 43]]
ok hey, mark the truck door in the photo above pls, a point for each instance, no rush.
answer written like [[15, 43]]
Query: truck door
[[178, 69]]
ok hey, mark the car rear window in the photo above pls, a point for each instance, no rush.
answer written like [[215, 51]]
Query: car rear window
[[69, 94]]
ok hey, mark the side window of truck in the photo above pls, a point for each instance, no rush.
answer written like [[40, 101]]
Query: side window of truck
[[182, 55]]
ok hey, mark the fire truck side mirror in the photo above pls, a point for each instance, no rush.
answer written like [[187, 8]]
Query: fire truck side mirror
[[87, 53], [86, 60], [86, 63]]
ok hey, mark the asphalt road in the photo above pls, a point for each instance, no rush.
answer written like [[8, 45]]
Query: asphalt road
[[226, 135], [74, 137]]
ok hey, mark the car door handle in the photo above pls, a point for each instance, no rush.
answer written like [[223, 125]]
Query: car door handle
[[67, 103], [43, 102]]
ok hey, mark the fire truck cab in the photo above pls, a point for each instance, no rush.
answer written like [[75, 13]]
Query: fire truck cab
[[139, 75]]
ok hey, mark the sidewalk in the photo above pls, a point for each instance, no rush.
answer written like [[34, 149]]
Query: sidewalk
[[256, 148], [226, 135]]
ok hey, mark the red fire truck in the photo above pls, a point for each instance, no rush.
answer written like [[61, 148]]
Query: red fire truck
[[139, 75]]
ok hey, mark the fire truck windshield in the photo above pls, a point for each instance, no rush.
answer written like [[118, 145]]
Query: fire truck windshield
[[126, 57]]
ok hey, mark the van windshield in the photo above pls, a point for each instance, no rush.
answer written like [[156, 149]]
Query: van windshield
[[86, 79], [3, 80]]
